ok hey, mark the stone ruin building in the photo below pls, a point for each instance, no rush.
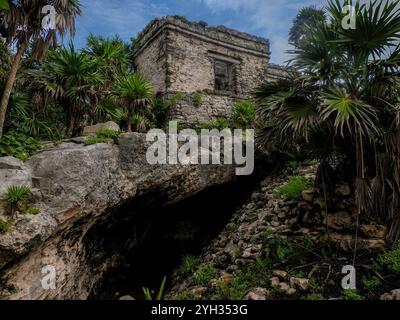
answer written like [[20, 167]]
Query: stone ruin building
[[214, 67]]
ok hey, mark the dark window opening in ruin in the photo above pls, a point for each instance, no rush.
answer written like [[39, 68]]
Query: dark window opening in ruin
[[223, 71]]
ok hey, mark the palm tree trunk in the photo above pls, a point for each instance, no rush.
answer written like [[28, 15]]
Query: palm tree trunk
[[9, 85], [129, 120]]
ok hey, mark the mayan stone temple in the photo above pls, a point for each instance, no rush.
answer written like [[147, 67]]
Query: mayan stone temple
[[214, 67]]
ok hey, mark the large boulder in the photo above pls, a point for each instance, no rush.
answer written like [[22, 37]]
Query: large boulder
[[13, 172], [76, 187], [92, 130]]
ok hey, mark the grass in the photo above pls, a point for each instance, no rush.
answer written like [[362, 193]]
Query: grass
[[371, 284], [160, 294], [4, 226], [189, 264], [94, 140], [293, 189], [205, 273], [391, 259], [184, 295], [257, 274], [108, 134]]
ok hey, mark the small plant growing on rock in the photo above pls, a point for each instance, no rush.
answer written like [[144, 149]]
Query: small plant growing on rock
[[94, 140], [16, 198], [148, 295], [244, 114], [4, 226], [294, 187], [108, 134], [219, 123], [198, 99], [31, 210]]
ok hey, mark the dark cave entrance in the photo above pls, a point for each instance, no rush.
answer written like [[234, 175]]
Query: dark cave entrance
[[152, 242]]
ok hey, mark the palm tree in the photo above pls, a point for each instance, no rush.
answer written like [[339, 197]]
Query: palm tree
[[71, 79], [307, 16], [342, 105], [22, 26], [135, 95], [112, 54]]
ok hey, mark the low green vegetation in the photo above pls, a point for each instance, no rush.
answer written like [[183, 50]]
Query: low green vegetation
[[94, 140], [198, 99], [205, 273], [189, 264], [18, 145], [351, 294], [314, 296], [294, 187], [18, 200], [390, 259], [244, 114], [257, 274], [148, 295], [31, 210], [5, 226], [218, 123], [109, 134], [371, 284]]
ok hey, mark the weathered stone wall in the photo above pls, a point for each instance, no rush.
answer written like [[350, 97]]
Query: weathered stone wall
[[151, 62], [208, 107], [191, 67]]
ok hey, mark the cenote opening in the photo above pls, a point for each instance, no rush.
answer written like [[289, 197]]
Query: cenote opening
[[148, 241]]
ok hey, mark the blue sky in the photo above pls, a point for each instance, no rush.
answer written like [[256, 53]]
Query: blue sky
[[267, 18]]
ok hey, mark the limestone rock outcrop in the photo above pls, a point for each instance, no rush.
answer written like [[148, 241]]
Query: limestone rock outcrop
[[75, 187]]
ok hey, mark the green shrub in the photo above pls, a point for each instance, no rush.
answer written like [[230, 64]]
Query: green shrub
[[18, 145], [244, 114], [16, 198], [198, 99], [351, 294], [205, 273], [314, 296], [370, 284], [294, 187], [391, 259], [4, 226], [94, 140]]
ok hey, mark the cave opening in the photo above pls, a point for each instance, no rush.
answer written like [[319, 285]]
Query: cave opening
[[147, 240]]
